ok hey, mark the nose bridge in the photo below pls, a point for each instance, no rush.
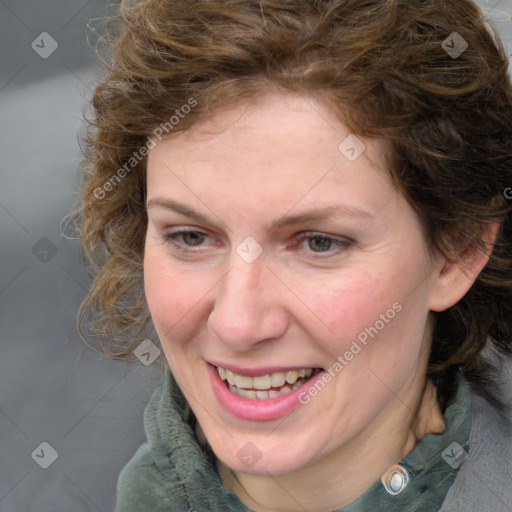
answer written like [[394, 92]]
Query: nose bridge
[[240, 292], [246, 310]]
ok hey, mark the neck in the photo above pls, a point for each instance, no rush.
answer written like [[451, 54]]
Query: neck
[[340, 478]]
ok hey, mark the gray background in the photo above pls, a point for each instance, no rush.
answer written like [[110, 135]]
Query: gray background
[[53, 388]]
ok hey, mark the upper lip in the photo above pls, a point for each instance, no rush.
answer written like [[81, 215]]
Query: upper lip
[[255, 372]]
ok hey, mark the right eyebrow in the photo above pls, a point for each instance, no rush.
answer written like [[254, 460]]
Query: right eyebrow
[[179, 208]]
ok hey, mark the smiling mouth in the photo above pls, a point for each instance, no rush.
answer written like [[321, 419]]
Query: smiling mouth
[[266, 386]]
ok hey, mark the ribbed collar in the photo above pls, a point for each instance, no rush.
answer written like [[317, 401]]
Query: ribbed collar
[[431, 467]]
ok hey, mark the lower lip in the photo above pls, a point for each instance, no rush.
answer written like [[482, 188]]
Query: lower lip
[[257, 410]]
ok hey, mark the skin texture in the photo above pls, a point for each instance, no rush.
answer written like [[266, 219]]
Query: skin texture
[[242, 169]]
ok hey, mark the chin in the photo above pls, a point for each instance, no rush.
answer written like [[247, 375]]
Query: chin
[[251, 460]]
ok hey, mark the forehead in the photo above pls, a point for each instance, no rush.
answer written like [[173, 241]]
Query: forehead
[[279, 150]]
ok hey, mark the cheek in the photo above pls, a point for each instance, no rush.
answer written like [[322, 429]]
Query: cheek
[[347, 305], [175, 298], [374, 310]]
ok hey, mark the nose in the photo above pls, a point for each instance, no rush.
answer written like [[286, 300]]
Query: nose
[[248, 308]]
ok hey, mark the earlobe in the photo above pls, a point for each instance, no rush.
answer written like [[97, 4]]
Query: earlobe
[[455, 278]]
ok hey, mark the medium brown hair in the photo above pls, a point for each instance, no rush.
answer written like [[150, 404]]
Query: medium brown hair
[[388, 69]]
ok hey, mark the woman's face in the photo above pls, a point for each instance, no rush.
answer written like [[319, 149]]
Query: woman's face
[[281, 249]]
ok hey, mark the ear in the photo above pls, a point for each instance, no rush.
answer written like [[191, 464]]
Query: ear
[[455, 278]]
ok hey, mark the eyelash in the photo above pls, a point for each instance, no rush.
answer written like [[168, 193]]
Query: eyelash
[[342, 243]]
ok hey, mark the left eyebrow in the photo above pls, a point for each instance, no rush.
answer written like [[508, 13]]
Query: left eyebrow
[[320, 214]]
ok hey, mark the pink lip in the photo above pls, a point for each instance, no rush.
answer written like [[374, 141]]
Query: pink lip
[[255, 372], [257, 410]]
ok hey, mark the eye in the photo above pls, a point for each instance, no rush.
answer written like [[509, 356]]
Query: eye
[[185, 240], [319, 243], [192, 237]]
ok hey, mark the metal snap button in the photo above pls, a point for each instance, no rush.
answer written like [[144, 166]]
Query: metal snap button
[[395, 479]]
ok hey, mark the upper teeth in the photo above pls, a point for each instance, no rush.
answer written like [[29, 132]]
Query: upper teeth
[[275, 379]]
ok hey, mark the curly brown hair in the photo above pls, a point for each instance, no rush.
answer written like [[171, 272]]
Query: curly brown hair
[[428, 77]]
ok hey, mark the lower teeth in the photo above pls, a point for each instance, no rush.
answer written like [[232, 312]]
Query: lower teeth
[[265, 394]]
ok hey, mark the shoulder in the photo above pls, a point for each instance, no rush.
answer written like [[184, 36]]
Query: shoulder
[[484, 480]]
